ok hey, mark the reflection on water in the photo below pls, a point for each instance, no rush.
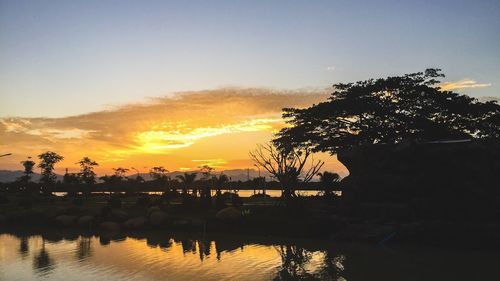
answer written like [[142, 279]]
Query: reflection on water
[[159, 256], [241, 193]]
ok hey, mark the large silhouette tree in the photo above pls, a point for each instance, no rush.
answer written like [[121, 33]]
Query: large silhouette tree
[[47, 162], [28, 171], [187, 181], [390, 110], [87, 173], [289, 165]]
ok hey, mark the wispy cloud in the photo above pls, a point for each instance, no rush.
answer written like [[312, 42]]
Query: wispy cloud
[[462, 84]]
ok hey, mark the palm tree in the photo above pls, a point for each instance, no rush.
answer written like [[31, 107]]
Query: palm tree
[[220, 181], [187, 180]]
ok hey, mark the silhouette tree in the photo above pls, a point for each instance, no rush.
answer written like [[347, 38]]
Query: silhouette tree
[[390, 110], [187, 180], [72, 178], [207, 182], [87, 173], [219, 182], [47, 162], [329, 182], [287, 164], [120, 172], [27, 173], [159, 174]]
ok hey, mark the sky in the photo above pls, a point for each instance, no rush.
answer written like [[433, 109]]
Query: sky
[[169, 82]]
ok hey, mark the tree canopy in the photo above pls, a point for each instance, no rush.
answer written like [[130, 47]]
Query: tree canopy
[[390, 110]]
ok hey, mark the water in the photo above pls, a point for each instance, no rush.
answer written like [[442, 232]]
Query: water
[[242, 193], [160, 256]]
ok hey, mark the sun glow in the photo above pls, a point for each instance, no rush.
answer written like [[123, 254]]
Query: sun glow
[[160, 141]]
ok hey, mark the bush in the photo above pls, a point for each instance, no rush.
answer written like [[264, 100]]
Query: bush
[[26, 203], [143, 202], [236, 200], [78, 201], [4, 199], [220, 201], [105, 210], [115, 202]]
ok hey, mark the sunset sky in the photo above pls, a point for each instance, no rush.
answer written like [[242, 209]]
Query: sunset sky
[[186, 83]]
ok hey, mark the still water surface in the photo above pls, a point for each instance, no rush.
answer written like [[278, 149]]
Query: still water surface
[[159, 256]]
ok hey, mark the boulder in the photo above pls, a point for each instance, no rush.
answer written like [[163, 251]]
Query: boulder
[[158, 217], [135, 223], [117, 215], [228, 214], [109, 226], [85, 221], [52, 212], [66, 220], [153, 209]]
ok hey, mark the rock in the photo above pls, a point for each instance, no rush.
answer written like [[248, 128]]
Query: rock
[[181, 222], [71, 211], [153, 209], [158, 217], [135, 223], [52, 212], [117, 215], [109, 226], [85, 221], [228, 214], [66, 220]]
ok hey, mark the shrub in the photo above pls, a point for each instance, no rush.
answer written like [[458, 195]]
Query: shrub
[[4, 199], [26, 203], [78, 201], [143, 202], [115, 202]]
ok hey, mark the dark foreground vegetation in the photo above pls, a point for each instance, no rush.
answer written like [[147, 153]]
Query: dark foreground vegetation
[[424, 166]]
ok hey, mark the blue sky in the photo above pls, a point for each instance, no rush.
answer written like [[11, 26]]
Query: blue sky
[[61, 58]]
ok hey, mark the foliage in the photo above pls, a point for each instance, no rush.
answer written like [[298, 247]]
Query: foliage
[[206, 171], [47, 162], [87, 173], [114, 202], [390, 110], [120, 172], [28, 170], [220, 181], [72, 178], [287, 164], [187, 180], [159, 174], [329, 182], [143, 202]]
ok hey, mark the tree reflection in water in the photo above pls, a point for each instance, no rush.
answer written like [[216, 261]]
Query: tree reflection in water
[[204, 248], [42, 262], [23, 247], [295, 260], [83, 248]]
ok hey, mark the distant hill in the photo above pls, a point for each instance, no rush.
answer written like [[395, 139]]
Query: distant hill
[[235, 175]]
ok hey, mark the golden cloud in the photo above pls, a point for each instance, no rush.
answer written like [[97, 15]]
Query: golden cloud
[[173, 131], [462, 84]]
